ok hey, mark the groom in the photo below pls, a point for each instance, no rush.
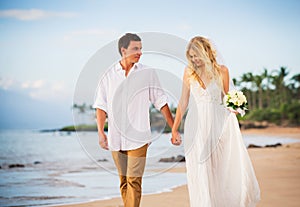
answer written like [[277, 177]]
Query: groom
[[124, 94]]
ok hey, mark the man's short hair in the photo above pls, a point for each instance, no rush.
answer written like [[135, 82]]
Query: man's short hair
[[125, 40]]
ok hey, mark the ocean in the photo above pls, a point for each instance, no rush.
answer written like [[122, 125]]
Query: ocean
[[42, 169]]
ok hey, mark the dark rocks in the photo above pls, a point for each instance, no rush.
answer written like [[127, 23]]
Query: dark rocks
[[274, 145], [253, 124], [16, 165], [254, 146], [102, 160], [268, 145], [179, 158]]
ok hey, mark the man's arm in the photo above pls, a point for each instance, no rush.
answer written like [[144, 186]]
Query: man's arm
[[101, 117], [165, 110]]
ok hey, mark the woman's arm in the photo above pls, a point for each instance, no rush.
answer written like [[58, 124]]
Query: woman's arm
[[183, 102], [225, 78]]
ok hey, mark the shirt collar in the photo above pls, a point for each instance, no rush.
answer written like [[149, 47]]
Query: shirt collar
[[119, 67]]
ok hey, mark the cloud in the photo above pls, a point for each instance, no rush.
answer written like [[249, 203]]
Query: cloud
[[33, 14], [33, 84], [6, 83], [39, 89], [51, 91]]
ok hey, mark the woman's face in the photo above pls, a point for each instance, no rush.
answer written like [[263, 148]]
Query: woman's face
[[195, 59]]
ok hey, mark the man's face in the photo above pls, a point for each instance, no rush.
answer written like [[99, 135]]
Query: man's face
[[133, 52]]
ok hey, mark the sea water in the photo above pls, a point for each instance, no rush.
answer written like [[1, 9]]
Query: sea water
[[60, 168]]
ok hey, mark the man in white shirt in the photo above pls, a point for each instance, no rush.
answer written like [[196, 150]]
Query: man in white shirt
[[124, 95]]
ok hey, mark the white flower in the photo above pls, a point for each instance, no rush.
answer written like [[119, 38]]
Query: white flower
[[239, 93], [235, 101], [240, 102], [243, 98], [232, 93], [225, 100]]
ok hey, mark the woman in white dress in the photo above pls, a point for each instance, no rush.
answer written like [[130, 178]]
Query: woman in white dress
[[219, 170]]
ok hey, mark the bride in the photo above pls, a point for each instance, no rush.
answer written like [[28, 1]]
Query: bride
[[219, 170]]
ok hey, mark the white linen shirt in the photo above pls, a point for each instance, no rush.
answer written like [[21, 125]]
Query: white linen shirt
[[126, 101]]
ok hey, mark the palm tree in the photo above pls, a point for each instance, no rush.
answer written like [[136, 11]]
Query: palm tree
[[278, 81], [82, 109], [235, 82], [295, 86], [267, 77], [282, 74], [258, 79], [248, 78], [296, 78], [275, 92]]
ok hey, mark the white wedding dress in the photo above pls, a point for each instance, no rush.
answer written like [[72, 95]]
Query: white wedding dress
[[219, 170]]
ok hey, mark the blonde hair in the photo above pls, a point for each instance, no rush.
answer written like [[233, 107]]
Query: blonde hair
[[207, 54]]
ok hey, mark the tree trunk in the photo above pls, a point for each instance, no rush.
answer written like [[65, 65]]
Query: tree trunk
[[253, 96], [260, 98]]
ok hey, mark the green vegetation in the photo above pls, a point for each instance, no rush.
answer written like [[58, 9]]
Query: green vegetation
[[82, 127], [272, 97]]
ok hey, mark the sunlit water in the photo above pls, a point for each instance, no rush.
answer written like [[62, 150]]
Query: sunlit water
[[61, 168]]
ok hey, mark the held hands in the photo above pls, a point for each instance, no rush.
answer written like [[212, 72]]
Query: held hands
[[176, 138], [103, 140]]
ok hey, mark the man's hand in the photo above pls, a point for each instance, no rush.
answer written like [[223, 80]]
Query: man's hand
[[103, 140], [176, 138]]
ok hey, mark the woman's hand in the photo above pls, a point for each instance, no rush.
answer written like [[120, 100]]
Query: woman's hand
[[233, 111], [176, 138]]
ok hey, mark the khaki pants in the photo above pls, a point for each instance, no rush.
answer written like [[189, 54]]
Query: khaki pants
[[131, 165]]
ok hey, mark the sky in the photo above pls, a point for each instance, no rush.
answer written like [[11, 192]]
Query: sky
[[44, 45]]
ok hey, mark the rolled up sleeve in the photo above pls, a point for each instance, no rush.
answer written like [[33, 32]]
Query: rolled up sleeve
[[100, 99], [157, 95]]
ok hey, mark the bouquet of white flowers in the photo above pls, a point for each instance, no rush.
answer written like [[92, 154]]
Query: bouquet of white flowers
[[236, 101]]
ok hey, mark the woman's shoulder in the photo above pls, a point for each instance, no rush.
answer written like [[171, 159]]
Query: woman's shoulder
[[188, 71], [187, 75], [223, 69]]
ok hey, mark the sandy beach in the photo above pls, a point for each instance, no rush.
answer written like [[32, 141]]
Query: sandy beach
[[277, 170]]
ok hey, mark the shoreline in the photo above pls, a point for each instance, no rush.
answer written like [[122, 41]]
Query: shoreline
[[281, 164], [276, 131]]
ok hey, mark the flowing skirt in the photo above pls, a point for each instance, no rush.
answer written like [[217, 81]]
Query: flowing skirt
[[219, 170]]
